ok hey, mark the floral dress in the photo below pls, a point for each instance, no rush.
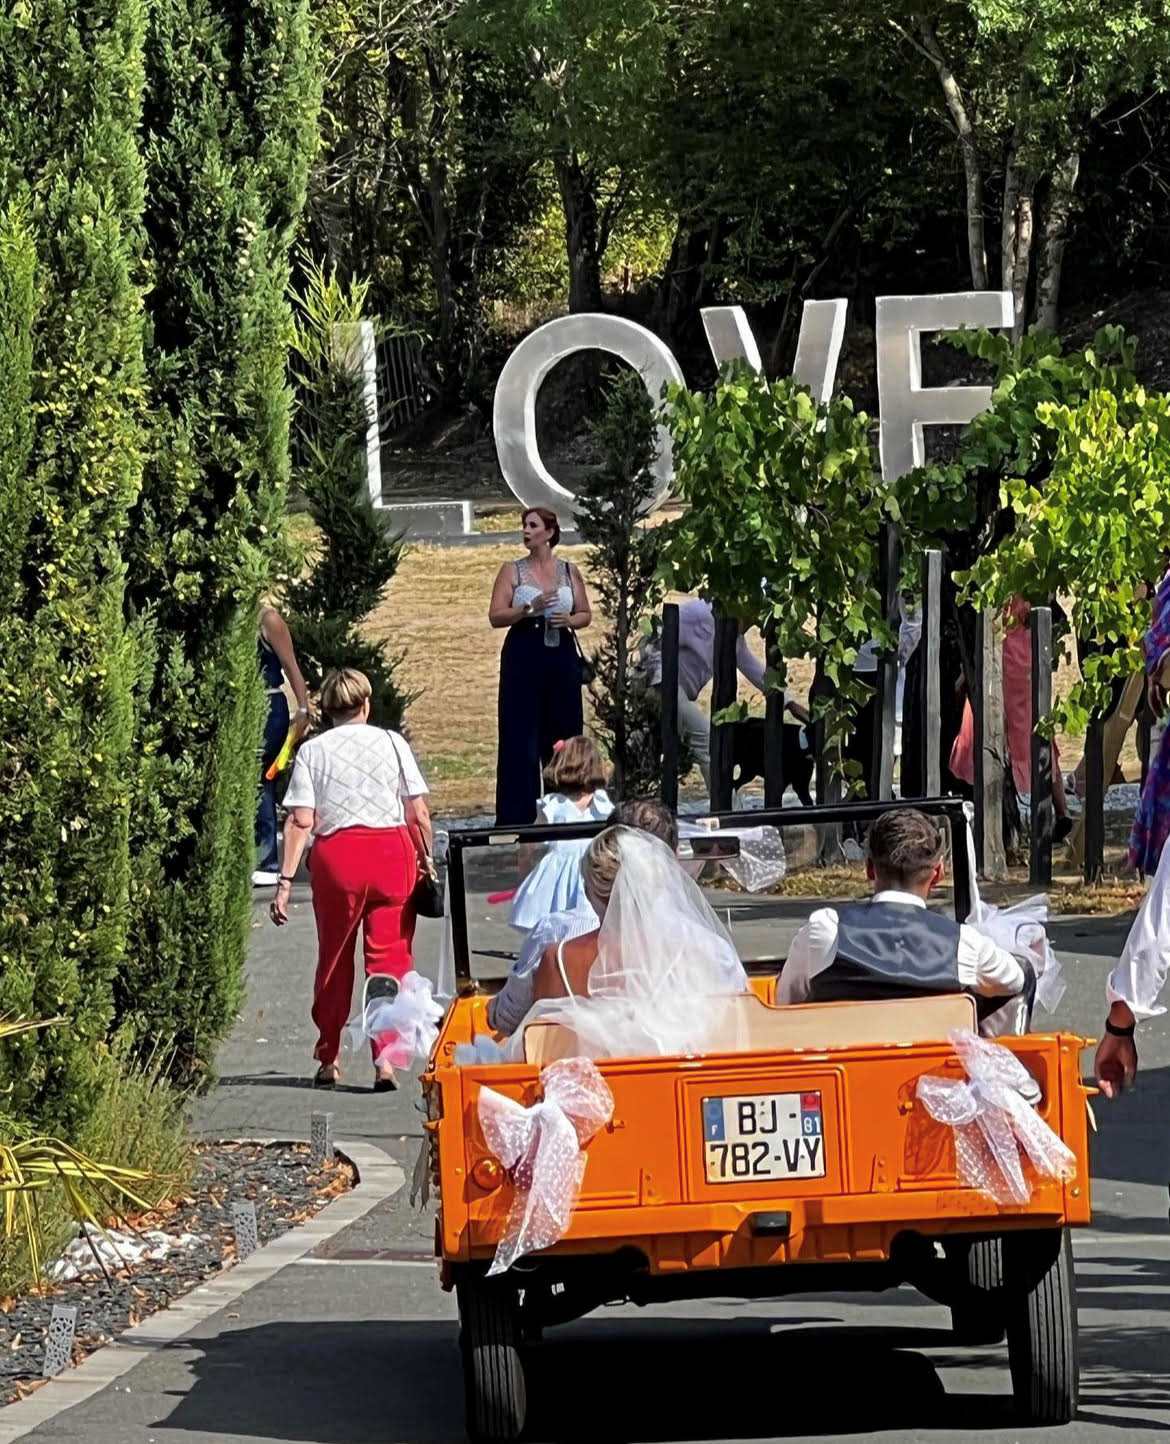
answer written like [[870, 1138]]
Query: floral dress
[[1151, 826]]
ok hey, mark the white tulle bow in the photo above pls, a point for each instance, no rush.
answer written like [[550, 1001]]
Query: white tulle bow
[[407, 1024], [543, 1148], [992, 1116]]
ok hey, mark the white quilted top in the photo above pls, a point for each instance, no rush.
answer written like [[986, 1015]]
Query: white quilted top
[[355, 775]]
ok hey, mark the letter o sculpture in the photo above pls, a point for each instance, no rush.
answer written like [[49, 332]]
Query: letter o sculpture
[[514, 409]]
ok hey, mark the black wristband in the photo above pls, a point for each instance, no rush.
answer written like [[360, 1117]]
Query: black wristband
[[1115, 1032], [285, 878]]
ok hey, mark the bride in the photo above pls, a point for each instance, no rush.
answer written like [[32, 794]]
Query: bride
[[651, 979]]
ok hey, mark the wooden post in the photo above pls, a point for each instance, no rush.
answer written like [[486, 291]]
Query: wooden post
[[1043, 810], [722, 695], [881, 778], [1094, 799], [1145, 729], [930, 662], [987, 705], [1113, 734], [773, 724], [828, 781], [669, 694]]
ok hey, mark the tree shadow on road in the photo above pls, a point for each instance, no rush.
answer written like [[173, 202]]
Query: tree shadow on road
[[286, 1080], [627, 1379]]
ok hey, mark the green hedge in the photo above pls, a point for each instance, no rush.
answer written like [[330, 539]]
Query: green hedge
[[72, 395], [356, 555], [153, 165], [229, 130]]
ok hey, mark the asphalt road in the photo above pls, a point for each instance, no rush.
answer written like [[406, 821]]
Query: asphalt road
[[358, 1343]]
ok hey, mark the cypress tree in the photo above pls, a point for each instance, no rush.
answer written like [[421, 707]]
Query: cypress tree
[[71, 452], [357, 555], [229, 131]]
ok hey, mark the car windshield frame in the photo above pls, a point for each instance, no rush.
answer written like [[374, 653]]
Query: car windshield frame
[[951, 809]]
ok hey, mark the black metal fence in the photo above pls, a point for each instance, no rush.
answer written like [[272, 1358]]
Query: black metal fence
[[986, 697]]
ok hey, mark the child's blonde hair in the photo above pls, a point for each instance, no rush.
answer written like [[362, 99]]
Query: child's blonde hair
[[577, 766]]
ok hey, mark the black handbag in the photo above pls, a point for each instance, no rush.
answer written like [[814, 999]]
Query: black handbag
[[429, 891], [588, 669]]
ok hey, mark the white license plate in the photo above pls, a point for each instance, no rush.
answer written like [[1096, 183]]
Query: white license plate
[[750, 1136]]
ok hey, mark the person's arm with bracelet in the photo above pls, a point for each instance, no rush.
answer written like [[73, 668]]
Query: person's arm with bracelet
[[300, 801], [501, 612], [279, 638], [1135, 985], [418, 823], [755, 670], [297, 826]]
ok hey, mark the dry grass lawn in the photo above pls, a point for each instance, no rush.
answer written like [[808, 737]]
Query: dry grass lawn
[[435, 611]]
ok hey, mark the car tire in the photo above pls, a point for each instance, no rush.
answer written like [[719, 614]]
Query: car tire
[[1042, 1325], [493, 1370], [978, 1315]]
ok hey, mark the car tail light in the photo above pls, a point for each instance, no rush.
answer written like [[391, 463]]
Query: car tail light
[[488, 1173]]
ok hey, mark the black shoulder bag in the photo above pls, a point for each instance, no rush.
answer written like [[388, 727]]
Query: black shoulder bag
[[428, 894], [588, 667]]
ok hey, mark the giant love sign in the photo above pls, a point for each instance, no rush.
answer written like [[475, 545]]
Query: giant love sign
[[905, 406]]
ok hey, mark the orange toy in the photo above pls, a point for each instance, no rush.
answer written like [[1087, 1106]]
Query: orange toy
[[869, 1200]]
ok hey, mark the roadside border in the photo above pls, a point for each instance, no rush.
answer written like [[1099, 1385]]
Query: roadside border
[[378, 1178]]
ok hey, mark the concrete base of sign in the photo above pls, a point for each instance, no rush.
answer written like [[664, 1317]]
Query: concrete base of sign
[[452, 524], [512, 539], [429, 520]]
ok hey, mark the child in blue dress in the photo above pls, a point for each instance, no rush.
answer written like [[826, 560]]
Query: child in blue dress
[[576, 793]]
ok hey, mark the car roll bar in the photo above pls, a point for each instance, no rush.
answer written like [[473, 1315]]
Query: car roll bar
[[950, 809]]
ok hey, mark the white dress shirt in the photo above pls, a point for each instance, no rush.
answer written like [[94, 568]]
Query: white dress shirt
[[983, 967], [696, 651], [1141, 970], [355, 775], [511, 1005]]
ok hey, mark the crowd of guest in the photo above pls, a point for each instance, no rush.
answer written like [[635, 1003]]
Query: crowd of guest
[[585, 908]]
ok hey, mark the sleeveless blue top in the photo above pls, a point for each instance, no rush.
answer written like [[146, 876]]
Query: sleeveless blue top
[[270, 668]]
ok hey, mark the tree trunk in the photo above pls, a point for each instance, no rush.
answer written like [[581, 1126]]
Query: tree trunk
[[682, 289], [1019, 186], [446, 303], [1022, 266], [621, 693], [969, 148], [1055, 235], [579, 202], [1011, 201]]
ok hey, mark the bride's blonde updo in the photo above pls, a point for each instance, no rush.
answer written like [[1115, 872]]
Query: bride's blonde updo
[[601, 865]]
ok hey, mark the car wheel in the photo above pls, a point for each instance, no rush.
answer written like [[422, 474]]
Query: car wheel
[[977, 1315], [493, 1371], [1042, 1325]]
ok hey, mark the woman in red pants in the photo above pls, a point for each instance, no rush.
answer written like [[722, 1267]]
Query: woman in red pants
[[358, 790]]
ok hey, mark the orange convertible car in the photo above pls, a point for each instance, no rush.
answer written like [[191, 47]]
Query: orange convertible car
[[805, 1163]]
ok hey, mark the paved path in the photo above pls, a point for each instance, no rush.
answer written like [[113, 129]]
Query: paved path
[[359, 1345]]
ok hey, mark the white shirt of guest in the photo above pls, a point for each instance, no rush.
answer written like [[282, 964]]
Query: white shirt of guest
[[983, 966], [1141, 971], [355, 775], [696, 651]]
